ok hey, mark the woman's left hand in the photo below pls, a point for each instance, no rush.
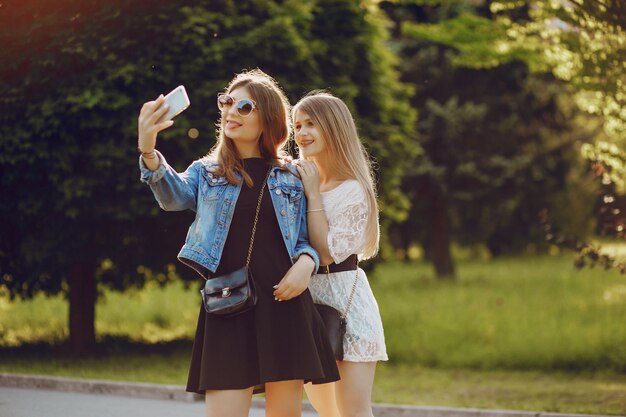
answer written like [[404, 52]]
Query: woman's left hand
[[296, 280], [310, 176]]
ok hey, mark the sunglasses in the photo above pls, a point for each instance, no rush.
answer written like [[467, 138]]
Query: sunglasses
[[244, 106]]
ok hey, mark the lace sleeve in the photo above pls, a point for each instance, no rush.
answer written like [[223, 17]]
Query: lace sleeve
[[347, 223]]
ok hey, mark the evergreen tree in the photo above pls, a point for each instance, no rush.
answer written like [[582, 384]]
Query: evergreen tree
[[73, 76], [580, 42], [499, 144]]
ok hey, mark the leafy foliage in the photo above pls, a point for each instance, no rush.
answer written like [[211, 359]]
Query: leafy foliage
[[73, 76], [581, 42], [500, 141], [482, 43]]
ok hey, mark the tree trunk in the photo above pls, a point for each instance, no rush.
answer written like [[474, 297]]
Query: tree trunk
[[82, 285], [439, 235], [406, 236]]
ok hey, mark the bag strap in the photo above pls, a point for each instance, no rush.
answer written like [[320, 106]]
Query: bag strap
[[256, 217], [356, 280]]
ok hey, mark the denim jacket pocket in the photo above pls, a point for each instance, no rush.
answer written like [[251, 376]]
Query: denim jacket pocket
[[294, 195], [213, 186], [292, 192]]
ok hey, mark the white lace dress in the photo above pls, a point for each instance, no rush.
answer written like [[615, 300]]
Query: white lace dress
[[346, 210]]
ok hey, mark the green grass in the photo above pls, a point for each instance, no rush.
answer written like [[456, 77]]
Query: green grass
[[527, 333], [563, 392], [522, 313], [152, 314]]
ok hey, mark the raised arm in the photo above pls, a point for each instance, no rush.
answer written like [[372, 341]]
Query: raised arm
[[338, 236], [316, 217], [173, 191], [306, 262], [149, 125], [348, 223]]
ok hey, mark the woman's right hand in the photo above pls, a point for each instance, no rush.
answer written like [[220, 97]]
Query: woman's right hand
[[310, 176], [149, 123]]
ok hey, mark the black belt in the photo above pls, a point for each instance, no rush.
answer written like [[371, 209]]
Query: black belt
[[349, 264]]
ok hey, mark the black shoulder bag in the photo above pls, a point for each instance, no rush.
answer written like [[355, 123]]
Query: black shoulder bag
[[235, 292], [335, 321]]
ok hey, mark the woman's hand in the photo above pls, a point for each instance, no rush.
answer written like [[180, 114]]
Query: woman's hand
[[296, 280], [310, 176], [149, 123]]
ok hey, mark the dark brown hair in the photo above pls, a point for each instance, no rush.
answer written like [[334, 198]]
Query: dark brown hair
[[273, 108]]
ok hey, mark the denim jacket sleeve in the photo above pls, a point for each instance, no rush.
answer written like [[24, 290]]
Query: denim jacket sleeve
[[173, 191], [302, 245]]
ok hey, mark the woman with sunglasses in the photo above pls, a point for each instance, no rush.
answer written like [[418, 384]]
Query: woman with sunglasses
[[279, 344], [343, 228]]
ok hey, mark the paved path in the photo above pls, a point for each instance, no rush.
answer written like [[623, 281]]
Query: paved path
[[47, 396], [23, 402]]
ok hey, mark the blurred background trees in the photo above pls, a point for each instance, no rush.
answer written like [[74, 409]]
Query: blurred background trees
[[501, 139], [477, 114], [73, 78]]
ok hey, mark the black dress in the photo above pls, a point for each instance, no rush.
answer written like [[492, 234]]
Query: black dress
[[275, 341]]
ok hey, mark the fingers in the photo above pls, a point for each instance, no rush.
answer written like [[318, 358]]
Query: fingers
[[306, 168], [163, 125], [159, 113], [292, 291], [303, 172], [286, 290], [157, 102], [149, 107], [150, 123], [294, 283], [310, 167], [152, 110], [280, 289], [288, 294]]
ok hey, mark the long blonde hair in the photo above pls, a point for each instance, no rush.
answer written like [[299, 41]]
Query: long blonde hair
[[273, 108], [347, 154]]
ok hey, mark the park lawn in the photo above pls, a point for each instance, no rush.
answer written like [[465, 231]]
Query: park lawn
[[547, 391], [517, 313], [528, 333]]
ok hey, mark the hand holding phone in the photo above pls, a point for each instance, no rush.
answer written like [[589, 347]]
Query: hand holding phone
[[155, 117], [178, 101]]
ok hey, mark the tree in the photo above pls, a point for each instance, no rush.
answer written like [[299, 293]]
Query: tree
[[499, 142], [74, 215], [578, 41]]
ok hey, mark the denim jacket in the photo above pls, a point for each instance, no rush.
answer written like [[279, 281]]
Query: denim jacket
[[213, 199]]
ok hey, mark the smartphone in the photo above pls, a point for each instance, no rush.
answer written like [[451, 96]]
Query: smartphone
[[178, 101]]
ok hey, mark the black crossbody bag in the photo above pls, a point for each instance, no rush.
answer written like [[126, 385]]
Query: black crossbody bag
[[233, 293], [335, 321]]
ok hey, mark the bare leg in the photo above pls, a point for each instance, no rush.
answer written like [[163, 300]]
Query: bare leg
[[354, 390], [283, 398], [228, 403], [323, 399]]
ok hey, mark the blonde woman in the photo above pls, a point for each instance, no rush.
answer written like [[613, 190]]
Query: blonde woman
[[342, 215]]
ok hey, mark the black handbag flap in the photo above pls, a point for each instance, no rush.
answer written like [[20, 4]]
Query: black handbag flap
[[335, 328], [231, 281]]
